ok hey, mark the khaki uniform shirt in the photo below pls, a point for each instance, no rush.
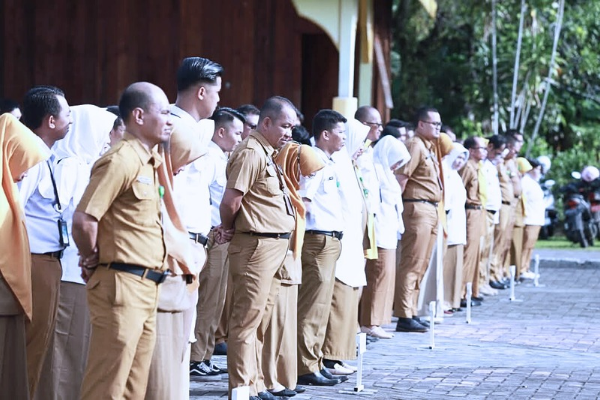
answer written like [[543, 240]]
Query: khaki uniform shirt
[[470, 177], [123, 195], [252, 171], [424, 182], [515, 177], [506, 185]]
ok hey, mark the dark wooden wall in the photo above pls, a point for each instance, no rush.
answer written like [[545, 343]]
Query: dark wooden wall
[[93, 49]]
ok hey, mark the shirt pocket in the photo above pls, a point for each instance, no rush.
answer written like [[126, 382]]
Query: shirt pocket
[[329, 185], [272, 181], [146, 206]]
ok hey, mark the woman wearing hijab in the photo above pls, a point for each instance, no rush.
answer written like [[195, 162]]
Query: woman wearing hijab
[[378, 296], [20, 150], [67, 354], [455, 197]]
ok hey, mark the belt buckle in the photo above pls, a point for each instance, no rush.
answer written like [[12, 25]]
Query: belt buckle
[[278, 236], [163, 277]]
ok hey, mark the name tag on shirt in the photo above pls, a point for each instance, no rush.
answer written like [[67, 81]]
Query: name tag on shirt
[[145, 180]]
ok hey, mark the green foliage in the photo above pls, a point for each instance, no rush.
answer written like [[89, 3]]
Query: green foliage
[[447, 63]]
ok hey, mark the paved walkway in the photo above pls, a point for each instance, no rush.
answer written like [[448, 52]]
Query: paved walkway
[[546, 346]]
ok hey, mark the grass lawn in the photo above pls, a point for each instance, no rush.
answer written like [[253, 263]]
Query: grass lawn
[[560, 242]]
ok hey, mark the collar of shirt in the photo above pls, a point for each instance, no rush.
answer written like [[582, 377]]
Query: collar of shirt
[[181, 113], [263, 141], [324, 157], [144, 155], [217, 150], [428, 143]]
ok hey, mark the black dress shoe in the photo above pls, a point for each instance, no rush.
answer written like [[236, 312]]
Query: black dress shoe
[[266, 396], [421, 321], [316, 379], [299, 389], [477, 298], [498, 285], [284, 393], [409, 325], [340, 378], [474, 303]]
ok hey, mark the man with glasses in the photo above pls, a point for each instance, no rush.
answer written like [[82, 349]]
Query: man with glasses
[[421, 192], [471, 175], [250, 113]]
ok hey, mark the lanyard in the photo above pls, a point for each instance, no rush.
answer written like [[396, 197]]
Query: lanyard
[[56, 198]]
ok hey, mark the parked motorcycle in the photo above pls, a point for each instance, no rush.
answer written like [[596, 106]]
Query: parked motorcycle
[[551, 220], [579, 223], [591, 190]]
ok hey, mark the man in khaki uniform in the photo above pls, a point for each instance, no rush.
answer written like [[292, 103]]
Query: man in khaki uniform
[[117, 228], [421, 192], [513, 257], [256, 206], [475, 213]]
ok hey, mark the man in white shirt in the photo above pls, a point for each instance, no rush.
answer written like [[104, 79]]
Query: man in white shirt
[[495, 149], [321, 249], [46, 112], [210, 169]]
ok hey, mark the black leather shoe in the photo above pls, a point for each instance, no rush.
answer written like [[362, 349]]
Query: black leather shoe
[[474, 303], [498, 285], [421, 321], [340, 378], [477, 298], [266, 396], [299, 389], [316, 379], [409, 325], [284, 393]]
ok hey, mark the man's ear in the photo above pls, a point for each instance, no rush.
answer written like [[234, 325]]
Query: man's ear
[[138, 115], [325, 135], [51, 121], [221, 132], [201, 93], [267, 122]]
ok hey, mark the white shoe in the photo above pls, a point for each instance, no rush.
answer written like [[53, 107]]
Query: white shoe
[[377, 332], [339, 369], [488, 290], [528, 275]]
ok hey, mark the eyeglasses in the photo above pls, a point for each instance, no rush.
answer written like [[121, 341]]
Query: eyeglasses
[[378, 124], [435, 124]]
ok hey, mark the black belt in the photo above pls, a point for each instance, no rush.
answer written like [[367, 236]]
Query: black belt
[[433, 203], [506, 203], [336, 234], [492, 211], [472, 207], [146, 273], [54, 254], [198, 238], [271, 235]]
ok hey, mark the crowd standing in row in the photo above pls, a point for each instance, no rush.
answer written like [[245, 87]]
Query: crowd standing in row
[[131, 237]]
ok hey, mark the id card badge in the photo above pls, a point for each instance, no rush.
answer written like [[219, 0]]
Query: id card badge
[[63, 233], [289, 207]]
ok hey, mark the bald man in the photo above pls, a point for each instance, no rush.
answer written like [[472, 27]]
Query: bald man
[[117, 229]]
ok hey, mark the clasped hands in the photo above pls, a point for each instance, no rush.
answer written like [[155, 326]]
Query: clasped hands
[[223, 235]]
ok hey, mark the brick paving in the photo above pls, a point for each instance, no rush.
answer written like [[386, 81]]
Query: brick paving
[[545, 347]]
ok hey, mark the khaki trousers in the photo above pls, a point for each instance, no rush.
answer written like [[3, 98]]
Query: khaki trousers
[[486, 252], [279, 353], [319, 256], [530, 237], [254, 263], [66, 359], [170, 368], [123, 317], [378, 296], [340, 337], [453, 275], [46, 272], [13, 356], [211, 299], [421, 225], [475, 221], [516, 249], [500, 244]]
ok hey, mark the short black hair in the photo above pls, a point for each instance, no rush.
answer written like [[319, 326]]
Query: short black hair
[[396, 123], [193, 70], [248, 109], [301, 135], [497, 141], [39, 102], [326, 120], [470, 142], [273, 107], [422, 112], [511, 136], [132, 98], [224, 115], [390, 130], [7, 105], [534, 163], [114, 109]]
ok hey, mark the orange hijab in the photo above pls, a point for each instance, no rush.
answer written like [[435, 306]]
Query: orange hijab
[[20, 150], [295, 160]]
